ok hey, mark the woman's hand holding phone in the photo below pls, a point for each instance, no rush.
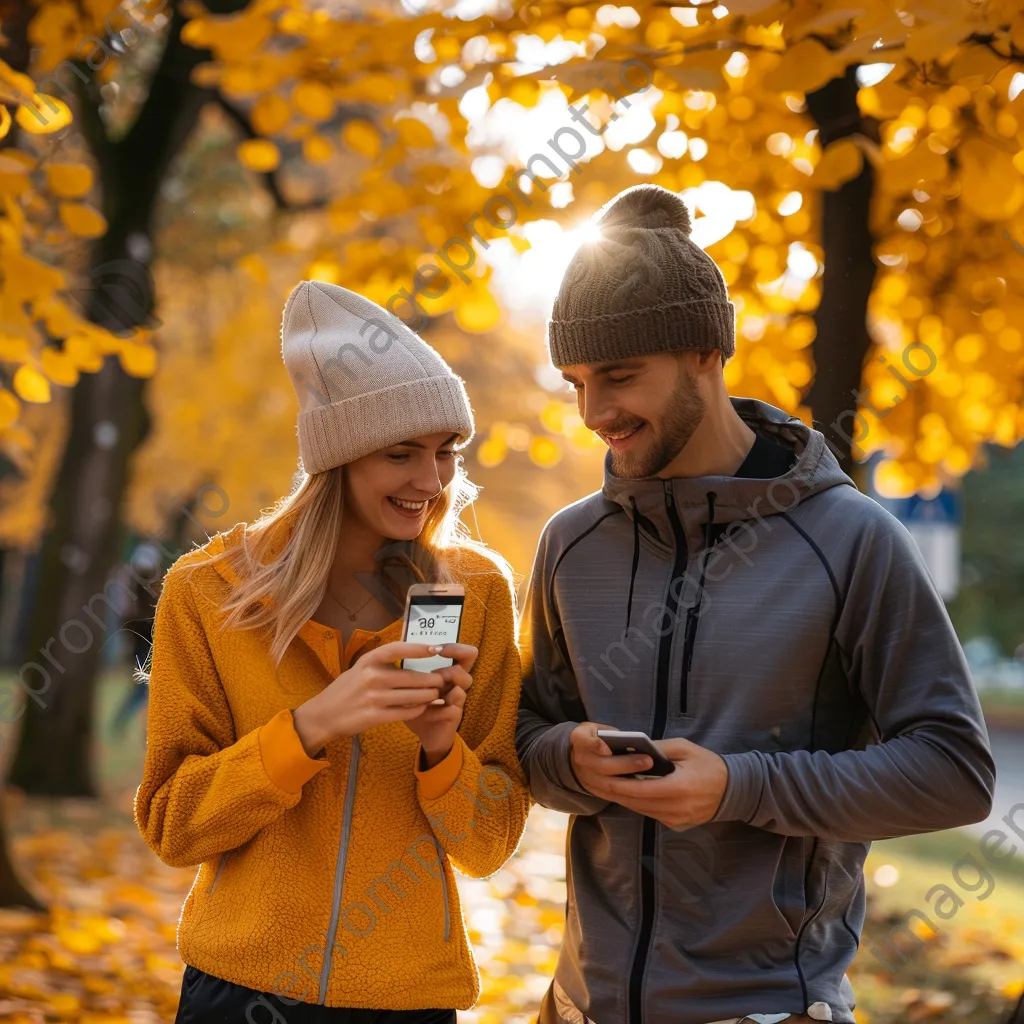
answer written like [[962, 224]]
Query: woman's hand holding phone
[[375, 691], [437, 724]]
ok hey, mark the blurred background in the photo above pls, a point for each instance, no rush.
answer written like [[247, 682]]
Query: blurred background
[[169, 169]]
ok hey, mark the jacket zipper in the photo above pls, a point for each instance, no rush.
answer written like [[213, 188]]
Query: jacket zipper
[[648, 842], [444, 887], [339, 870]]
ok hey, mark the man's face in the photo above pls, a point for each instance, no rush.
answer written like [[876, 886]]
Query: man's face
[[644, 408]]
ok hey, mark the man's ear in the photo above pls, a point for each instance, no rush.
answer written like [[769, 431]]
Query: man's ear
[[707, 359]]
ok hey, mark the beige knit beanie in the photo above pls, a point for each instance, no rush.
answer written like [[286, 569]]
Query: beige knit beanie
[[364, 380], [642, 287]]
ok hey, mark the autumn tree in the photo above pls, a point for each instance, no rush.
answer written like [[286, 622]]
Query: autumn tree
[[859, 212]]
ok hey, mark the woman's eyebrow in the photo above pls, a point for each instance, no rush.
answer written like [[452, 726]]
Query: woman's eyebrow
[[416, 444]]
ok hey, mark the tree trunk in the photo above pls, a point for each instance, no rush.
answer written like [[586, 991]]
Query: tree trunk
[[14, 49], [12, 892], [842, 340], [108, 422]]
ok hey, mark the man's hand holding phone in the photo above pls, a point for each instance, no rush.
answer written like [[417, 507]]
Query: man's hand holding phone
[[690, 796], [594, 763]]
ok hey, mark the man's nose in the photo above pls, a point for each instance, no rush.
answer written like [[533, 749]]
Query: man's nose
[[595, 410]]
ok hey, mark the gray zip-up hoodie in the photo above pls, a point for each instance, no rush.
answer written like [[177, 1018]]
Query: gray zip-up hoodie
[[791, 626]]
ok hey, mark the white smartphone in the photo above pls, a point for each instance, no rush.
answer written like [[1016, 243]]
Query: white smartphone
[[433, 615], [638, 743]]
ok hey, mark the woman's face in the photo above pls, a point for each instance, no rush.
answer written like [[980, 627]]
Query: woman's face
[[390, 490]]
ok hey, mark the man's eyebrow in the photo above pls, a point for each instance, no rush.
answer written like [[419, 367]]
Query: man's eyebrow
[[630, 364]]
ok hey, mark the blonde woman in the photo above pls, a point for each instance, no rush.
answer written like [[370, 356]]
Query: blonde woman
[[321, 794]]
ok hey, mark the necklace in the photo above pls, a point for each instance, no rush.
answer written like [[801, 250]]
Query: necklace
[[351, 614]]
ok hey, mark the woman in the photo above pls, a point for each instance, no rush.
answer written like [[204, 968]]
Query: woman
[[323, 797]]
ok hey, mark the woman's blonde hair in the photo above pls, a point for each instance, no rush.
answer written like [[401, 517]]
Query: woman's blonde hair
[[295, 577]]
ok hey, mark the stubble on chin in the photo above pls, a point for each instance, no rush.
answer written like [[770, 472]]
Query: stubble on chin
[[640, 465]]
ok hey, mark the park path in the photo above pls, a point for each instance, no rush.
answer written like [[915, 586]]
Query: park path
[[1008, 751]]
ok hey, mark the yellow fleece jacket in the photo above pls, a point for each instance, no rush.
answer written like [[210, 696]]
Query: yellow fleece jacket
[[327, 880]]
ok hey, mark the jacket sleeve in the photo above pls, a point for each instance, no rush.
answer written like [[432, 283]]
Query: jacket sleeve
[[932, 768], [476, 798], [550, 706], [205, 791]]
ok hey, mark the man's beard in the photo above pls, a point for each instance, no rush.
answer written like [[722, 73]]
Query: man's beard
[[684, 411]]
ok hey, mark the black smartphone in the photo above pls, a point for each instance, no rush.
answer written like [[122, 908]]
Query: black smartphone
[[638, 743]]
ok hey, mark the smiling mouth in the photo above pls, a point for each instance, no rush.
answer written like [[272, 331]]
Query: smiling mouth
[[406, 507], [621, 437]]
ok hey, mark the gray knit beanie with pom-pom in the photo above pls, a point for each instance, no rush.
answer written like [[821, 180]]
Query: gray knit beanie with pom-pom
[[644, 286]]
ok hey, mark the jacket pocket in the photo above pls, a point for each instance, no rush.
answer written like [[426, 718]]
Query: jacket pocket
[[220, 868], [789, 893]]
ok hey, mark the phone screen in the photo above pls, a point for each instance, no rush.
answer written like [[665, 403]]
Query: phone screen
[[432, 620]]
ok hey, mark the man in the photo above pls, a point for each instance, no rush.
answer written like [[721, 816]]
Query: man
[[730, 593]]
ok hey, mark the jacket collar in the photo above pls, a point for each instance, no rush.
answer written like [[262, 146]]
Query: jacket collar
[[731, 498]]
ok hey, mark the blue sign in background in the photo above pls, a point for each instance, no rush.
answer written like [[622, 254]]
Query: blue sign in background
[[946, 508]]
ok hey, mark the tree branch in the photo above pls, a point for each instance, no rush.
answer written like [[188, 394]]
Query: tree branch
[[269, 177]]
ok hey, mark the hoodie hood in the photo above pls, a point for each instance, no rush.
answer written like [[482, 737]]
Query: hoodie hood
[[698, 510], [731, 498]]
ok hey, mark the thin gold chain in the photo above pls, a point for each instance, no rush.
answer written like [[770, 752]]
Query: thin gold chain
[[351, 614]]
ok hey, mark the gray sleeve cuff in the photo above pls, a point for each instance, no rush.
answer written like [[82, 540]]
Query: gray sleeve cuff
[[561, 750], [744, 787]]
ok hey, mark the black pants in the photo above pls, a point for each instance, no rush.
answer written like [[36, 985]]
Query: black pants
[[209, 1000]]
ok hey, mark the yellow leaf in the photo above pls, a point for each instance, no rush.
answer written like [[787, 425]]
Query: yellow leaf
[[270, 114], [314, 100], [258, 155], [901, 175], [931, 41], [137, 360], [316, 149], [804, 67], [840, 162], [990, 185], [69, 180], [16, 161], [59, 367], [10, 407], [973, 66], [413, 132], [702, 70], [362, 137], [83, 221], [82, 353], [478, 311], [18, 86], [30, 385], [44, 116], [5, 122], [13, 348]]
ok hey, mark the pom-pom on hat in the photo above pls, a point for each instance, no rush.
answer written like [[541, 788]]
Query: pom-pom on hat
[[364, 379], [642, 287]]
